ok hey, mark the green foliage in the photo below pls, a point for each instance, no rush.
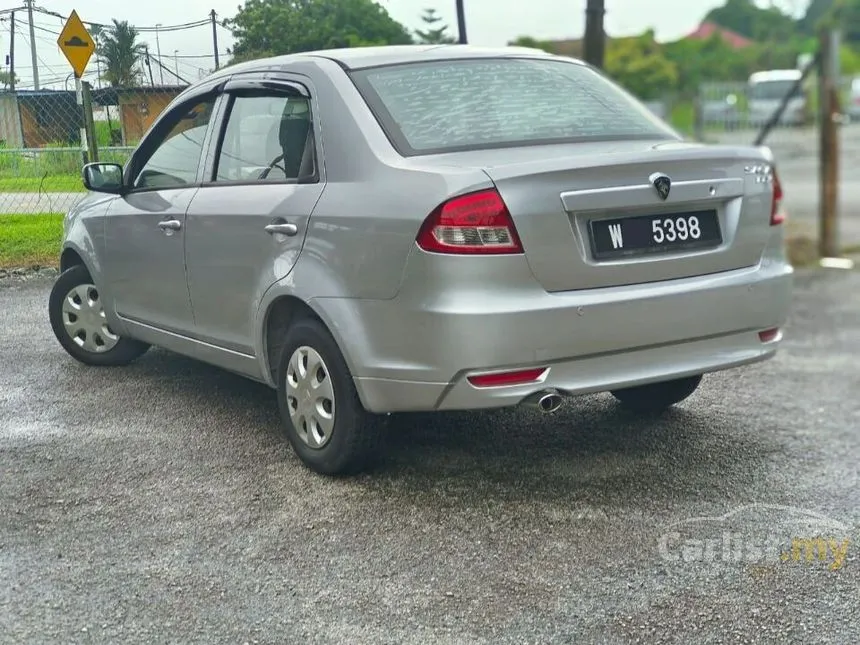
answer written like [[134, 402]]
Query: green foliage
[[435, 33], [528, 41], [30, 240], [818, 12], [119, 53], [272, 27], [54, 168], [846, 15], [747, 19], [640, 65]]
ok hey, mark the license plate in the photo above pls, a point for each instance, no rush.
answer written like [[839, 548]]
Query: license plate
[[654, 234]]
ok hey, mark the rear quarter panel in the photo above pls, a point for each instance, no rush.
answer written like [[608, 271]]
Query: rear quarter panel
[[374, 202]]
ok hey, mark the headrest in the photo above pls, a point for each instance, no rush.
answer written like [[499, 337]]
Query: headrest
[[293, 136]]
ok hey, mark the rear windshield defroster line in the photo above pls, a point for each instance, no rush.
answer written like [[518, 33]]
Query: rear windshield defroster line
[[480, 103]]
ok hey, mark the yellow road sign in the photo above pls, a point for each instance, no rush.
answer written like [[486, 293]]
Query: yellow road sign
[[76, 43]]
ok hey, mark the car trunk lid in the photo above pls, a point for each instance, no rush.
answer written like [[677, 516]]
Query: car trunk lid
[[565, 205]]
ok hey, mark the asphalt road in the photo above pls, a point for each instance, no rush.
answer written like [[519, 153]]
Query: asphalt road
[[156, 503]]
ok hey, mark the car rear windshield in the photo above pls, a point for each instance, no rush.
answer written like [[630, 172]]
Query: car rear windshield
[[445, 106]]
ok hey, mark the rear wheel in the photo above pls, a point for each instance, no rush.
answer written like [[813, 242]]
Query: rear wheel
[[321, 413], [78, 320], [657, 397]]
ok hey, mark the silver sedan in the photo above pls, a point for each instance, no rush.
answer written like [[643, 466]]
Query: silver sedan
[[422, 228]]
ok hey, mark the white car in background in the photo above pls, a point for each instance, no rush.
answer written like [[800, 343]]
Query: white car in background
[[853, 107], [768, 89]]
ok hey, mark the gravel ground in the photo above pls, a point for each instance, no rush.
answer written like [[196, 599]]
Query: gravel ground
[[156, 503]]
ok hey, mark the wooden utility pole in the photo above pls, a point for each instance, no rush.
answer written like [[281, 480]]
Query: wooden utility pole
[[92, 154], [595, 37], [33, 55], [12, 53], [215, 38], [828, 92], [461, 22]]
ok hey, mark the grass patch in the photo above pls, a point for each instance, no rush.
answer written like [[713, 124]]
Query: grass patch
[[30, 240], [682, 117], [50, 184]]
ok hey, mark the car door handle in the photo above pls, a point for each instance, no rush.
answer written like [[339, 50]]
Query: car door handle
[[170, 225], [283, 229]]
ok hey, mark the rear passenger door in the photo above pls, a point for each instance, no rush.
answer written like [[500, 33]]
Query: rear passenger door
[[246, 225]]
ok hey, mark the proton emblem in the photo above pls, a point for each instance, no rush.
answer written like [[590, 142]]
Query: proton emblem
[[662, 184]]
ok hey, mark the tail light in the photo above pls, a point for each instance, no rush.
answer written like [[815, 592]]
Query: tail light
[[777, 215], [476, 223]]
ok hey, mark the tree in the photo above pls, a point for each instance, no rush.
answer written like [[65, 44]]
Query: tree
[[6, 79], [433, 35], [639, 65], [747, 19], [271, 27], [119, 53], [709, 61], [846, 16], [815, 13], [532, 43]]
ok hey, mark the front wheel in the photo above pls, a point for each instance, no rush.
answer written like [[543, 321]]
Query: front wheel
[[321, 413], [657, 397], [78, 319]]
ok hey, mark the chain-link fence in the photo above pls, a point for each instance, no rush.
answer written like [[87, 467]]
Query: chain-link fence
[[41, 148], [736, 113], [738, 107]]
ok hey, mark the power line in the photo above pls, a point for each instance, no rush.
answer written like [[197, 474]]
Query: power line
[[165, 28], [201, 55], [48, 28], [45, 29], [50, 68], [167, 69]]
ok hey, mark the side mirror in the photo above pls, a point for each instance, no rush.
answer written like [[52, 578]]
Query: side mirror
[[103, 177]]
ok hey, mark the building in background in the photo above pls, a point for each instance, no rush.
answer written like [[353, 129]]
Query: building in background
[[138, 107], [39, 118]]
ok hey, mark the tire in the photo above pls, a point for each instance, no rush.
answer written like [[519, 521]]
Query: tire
[[75, 299], [349, 441], [657, 397]]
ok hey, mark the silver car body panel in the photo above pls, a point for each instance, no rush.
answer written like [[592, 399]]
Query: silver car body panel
[[412, 324]]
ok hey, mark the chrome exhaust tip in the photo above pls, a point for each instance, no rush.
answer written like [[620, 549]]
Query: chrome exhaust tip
[[546, 402]]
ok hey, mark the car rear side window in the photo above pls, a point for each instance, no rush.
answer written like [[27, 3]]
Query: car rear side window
[[268, 138], [484, 103]]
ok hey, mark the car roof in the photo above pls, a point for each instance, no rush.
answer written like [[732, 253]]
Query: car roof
[[776, 75], [358, 57], [362, 57]]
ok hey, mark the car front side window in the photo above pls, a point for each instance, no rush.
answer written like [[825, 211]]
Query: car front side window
[[175, 161]]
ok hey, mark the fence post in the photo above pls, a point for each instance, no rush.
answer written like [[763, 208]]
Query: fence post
[[828, 92], [698, 118], [89, 124], [79, 96]]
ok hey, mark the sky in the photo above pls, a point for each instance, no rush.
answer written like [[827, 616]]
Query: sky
[[190, 51]]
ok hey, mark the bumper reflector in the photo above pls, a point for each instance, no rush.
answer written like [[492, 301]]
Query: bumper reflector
[[498, 379], [768, 335]]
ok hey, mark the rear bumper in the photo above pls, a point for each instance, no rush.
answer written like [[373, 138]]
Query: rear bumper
[[415, 351]]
